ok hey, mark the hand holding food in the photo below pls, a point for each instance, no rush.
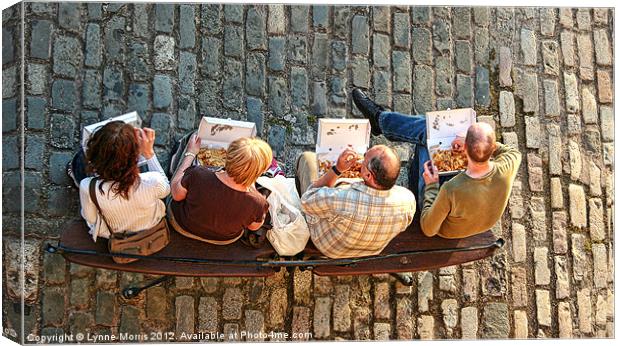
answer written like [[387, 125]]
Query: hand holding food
[[430, 175], [458, 144], [146, 140], [346, 160], [193, 146]]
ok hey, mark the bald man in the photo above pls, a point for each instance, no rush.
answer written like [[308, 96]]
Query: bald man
[[359, 217], [472, 201]]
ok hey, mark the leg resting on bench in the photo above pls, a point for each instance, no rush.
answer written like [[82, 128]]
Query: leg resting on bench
[[404, 278], [131, 292]]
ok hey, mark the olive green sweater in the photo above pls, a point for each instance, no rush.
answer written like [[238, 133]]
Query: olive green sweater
[[465, 206]]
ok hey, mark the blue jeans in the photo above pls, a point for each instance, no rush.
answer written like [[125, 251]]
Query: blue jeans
[[409, 128]]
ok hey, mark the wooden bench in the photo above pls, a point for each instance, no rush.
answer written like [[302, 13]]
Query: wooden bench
[[410, 251]]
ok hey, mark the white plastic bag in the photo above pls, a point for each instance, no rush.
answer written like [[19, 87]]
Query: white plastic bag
[[290, 232]]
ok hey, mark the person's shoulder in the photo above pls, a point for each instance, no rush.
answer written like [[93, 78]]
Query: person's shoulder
[[85, 183], [152, 178], [402, 191]]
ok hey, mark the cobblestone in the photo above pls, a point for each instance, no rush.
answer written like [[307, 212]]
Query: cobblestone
[[301, 323], [255, 28], [184, 315], [579, 257], [584, 310], [519, 243], [299, 18], [585, 52], [322, 309], [164, 17], [114, 39], [482, 87], [583, 19], [106, 308], [519, 286], [550, 57], [449, 309], [495, 321], [425, 290], [62, 130], [557, 198], [520, 325], [552, 100], [572, 97], [277, 53], [93, 49], [162, 91], [565, 324], [233, 41], [596, 223], [277, 308], [605, 93], [532, 132], [562, 289], [341, 310], [599, 259], [421, 45], [41, 32], [577, 205], [469, 323], [528, 47], [187, 26], [402, 71], [505, 67], [601, 48], [506, 109], [163, 53], [426, 326], [208, 323], [542, 274], [187, 72]]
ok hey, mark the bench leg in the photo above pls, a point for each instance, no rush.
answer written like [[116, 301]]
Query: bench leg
[[404, 278], [131, 292]]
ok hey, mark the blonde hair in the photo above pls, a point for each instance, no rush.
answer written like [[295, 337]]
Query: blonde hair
[[247, 159]]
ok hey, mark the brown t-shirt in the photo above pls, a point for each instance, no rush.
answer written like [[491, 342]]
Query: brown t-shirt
[[214, 211]]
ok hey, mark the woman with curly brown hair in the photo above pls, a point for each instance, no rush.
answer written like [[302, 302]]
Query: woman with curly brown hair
[[129, 200]]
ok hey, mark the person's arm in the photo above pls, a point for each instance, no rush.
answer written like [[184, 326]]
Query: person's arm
[[261, 213], [88, 208], [436, 209], [179, 192], [506, 157], [346, 159]]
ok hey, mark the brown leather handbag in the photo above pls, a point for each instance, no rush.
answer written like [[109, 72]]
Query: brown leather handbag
[[143, 243]]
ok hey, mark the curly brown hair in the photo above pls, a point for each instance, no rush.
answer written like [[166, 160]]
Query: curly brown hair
[[112, 153]]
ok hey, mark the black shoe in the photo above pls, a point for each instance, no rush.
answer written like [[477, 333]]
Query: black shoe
[[369, 109]]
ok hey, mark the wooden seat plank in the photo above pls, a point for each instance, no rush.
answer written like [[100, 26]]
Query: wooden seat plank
[[75, 235], [413, 239]]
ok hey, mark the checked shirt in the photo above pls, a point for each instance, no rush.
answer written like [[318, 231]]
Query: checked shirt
[[355, 220]]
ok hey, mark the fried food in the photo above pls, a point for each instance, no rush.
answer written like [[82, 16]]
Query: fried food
[[449, 160], [212, 157], [353, 172]]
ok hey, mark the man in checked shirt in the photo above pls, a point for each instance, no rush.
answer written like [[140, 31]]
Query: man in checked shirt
[[359, 218]]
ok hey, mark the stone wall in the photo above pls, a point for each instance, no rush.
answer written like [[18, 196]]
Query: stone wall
[[541, 76]]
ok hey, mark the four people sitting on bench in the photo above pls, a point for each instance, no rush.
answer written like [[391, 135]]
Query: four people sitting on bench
[[215, 207], [471, 202], [129, 200], [353, 219], [358, 219]]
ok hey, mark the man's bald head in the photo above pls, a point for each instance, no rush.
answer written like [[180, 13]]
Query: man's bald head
[[480, 142], [385, 165]]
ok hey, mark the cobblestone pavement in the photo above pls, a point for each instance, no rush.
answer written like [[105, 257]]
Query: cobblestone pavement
[[541, 76]]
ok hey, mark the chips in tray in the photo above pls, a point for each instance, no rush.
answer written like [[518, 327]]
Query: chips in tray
[[449, 160], [212, 157], [353, 172]]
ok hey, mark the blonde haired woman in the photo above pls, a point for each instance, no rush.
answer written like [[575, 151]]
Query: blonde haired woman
[[215, 207]]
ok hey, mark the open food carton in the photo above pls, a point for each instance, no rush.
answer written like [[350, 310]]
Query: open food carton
[[215, 136], [335, 135], [441, 129], [130, 118]]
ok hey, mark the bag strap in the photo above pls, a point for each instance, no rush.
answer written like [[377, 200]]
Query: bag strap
[[93, 196]]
